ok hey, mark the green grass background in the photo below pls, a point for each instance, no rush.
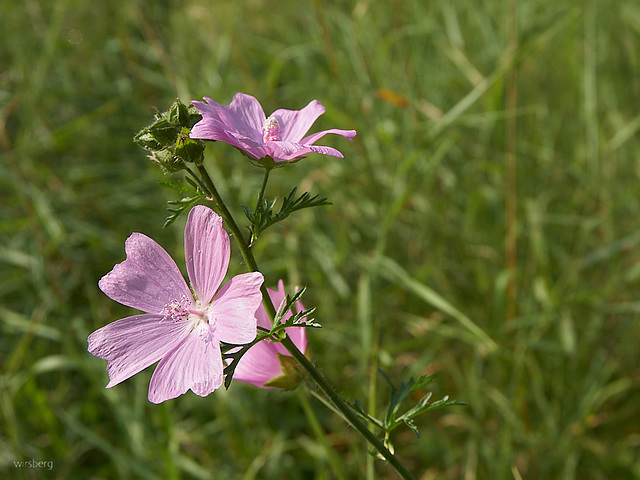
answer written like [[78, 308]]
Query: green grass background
[[408, 267]]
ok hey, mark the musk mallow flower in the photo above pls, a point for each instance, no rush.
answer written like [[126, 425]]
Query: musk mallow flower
[[264, 364], [281, 136], [181, 329]]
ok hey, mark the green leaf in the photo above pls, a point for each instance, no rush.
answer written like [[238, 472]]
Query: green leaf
[[297, 318], [178, 207], [264, 217], [397, 396]]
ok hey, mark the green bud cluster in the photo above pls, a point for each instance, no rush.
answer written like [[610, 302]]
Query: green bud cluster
[[167, 138]]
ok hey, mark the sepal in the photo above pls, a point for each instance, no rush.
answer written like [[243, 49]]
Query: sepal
[[291, 374]]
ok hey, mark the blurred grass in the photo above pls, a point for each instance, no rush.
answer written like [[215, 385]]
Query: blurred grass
[[407, 268]]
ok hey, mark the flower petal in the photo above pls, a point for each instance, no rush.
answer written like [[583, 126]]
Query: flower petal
[[207, 251], [314, 137], [259, 365], [211, 129], [285, 151], [244, 115], [295, 123], [148, 279], [196, 364], [132, 344], [233, 311]]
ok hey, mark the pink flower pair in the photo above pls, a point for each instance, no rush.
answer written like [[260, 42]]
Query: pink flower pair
[[181, 329]]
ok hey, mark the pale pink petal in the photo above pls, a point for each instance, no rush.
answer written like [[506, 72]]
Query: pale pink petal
[[196, 364], [262, 317], [132, 344], [325, 150], [285, 152], [148, 279], [207, 251], [282, 151], [210, 129], [232, 314], [245, 142], [314, 137], [244, 115], [254, 149], [295, 123], [259, 365]]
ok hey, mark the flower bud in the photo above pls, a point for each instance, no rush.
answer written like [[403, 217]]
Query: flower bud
[[189, 149], [167, 160]]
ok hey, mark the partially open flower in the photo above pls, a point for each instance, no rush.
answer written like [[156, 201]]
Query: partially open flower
[[279, 137], [268, 364]]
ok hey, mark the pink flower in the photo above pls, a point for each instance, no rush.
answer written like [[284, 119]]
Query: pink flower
[[244, 125], [261, 364], [181, 330]]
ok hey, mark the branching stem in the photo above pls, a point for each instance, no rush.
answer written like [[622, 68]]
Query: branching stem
[[304, 362]]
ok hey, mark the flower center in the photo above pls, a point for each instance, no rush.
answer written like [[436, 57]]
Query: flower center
[[271, 129], [178, 310]]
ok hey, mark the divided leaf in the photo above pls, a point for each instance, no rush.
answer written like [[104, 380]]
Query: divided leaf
[[397, 396], [264, 216]]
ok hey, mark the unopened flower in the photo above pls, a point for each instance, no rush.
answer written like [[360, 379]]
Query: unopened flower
[[181, 330], [266, 364], [279, 137]]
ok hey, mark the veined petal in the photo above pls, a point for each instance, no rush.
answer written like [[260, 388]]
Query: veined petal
[[284, 151], [148, 279], [196, 364], [325, 150], [259, 365], [247, 115], [254, 149], [314, 137], [209, 108], [295, 123], [207, 251], [132, 344], [244, 115], [211, 129], [232, 313]]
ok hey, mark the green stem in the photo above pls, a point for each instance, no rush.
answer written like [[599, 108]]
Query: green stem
[[267, 171], [332, 458], [344, 409], [317, 377], [228, 218]]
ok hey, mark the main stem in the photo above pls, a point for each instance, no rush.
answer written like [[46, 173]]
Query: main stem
[[317, 377]]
